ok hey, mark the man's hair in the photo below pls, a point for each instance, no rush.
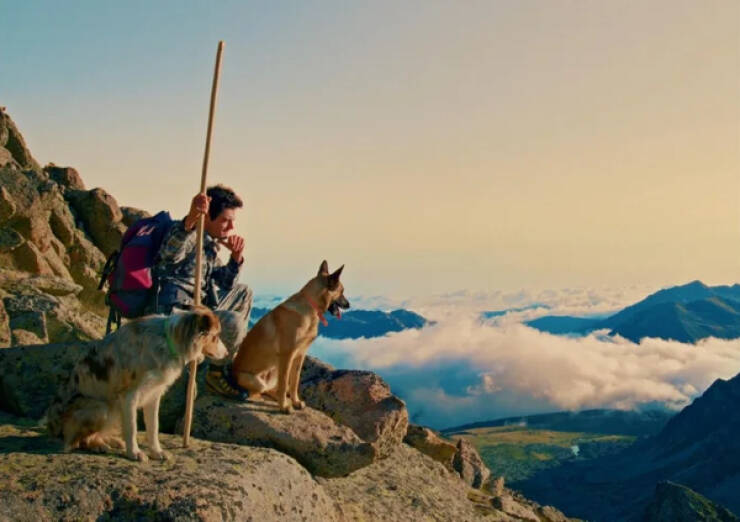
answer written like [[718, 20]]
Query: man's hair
[[222, 197]]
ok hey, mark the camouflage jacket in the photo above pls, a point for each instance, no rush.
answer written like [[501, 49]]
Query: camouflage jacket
[[176, 270]]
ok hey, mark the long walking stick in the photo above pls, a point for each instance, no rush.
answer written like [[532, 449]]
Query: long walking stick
[[190, 397]]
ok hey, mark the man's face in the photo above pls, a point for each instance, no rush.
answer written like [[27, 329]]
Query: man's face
[[221, 227]]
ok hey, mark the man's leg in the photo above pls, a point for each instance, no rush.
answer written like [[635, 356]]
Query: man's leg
[[233, 311]]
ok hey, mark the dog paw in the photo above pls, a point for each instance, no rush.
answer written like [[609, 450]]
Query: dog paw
[[160, 455], [138, 455], [285, 407], [299, 405]]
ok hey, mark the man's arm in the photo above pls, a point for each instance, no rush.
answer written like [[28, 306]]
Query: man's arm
[[226, 275], [178, 243], [180, 240]]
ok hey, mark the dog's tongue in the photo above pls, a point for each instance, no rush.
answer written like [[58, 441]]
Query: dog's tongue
[[339, 313]]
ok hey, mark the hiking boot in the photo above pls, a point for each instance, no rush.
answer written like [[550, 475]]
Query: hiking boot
[[218, 380]]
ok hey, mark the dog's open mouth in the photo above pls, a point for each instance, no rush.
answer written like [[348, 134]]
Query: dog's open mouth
[[335, 309]]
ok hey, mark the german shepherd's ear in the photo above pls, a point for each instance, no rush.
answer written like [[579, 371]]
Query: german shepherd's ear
[[334, 278], [324, 268]]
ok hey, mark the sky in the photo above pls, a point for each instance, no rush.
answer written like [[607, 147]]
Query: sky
[[431, 147]]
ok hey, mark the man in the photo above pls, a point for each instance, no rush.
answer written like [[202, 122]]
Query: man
[[219, 290]]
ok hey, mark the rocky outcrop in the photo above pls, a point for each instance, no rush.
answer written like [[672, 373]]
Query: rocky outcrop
[[42, 308], [358, 399], [51, 225], [131, 215], [431, 444], [207, 481], [469, 465], [100, 216], [676, 503], [13, 150], [406, 485], [324, 447]]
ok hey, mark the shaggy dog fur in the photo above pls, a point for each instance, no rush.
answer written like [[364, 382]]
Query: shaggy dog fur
[[270, 358], [127, 370]]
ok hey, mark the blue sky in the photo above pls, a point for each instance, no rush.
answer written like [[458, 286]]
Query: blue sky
[[429, 146]]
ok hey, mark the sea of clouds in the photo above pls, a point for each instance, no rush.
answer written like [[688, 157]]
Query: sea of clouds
[[464, 369]]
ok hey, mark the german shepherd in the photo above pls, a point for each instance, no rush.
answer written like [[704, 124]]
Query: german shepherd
[[270, 358], [127, 370]]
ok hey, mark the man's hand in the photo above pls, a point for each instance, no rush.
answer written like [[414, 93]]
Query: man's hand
[[236, 245], [198, 207]]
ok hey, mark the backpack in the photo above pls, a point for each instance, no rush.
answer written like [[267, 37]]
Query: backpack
[[130, 272]]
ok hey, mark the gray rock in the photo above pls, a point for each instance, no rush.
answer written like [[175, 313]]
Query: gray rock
[[360, 400], [206, 482], [132, 215], [12, 140], [468, 463], [313, 439], [431, 444], [101, 217], [31, 321], [30, 376], [509, 505], [406, 485], [68, 177]]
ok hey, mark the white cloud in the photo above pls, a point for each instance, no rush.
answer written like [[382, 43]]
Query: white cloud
[[515, 366]]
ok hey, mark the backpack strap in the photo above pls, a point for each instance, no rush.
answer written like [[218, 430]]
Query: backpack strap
[[110, 265]]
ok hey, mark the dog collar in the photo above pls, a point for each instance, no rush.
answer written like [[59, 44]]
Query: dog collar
[[318, 312], [170, 343]]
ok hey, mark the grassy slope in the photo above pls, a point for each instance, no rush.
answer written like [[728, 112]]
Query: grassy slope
[[517, 452]]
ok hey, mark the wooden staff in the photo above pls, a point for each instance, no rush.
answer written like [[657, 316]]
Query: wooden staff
[[190, 397]]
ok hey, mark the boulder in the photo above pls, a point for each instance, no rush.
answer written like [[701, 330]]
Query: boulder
[[67, 177], [30, 376], [7, 205], [28, 258], [406, 485], [6, 159], [431, 444], [100, 216], [132, 215], [469, 465], [47, 307], [206, 482], [358, 399], [313, 439], [509, 505], [12, 140]]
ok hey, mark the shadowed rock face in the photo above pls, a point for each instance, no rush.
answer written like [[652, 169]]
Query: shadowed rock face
[[676, 503]]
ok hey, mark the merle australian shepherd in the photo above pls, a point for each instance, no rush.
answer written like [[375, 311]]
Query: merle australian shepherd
[[127, 370]]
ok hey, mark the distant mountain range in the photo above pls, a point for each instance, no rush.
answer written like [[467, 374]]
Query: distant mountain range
[[636, 423], [698, 448], [684, 313], [361, 323]]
